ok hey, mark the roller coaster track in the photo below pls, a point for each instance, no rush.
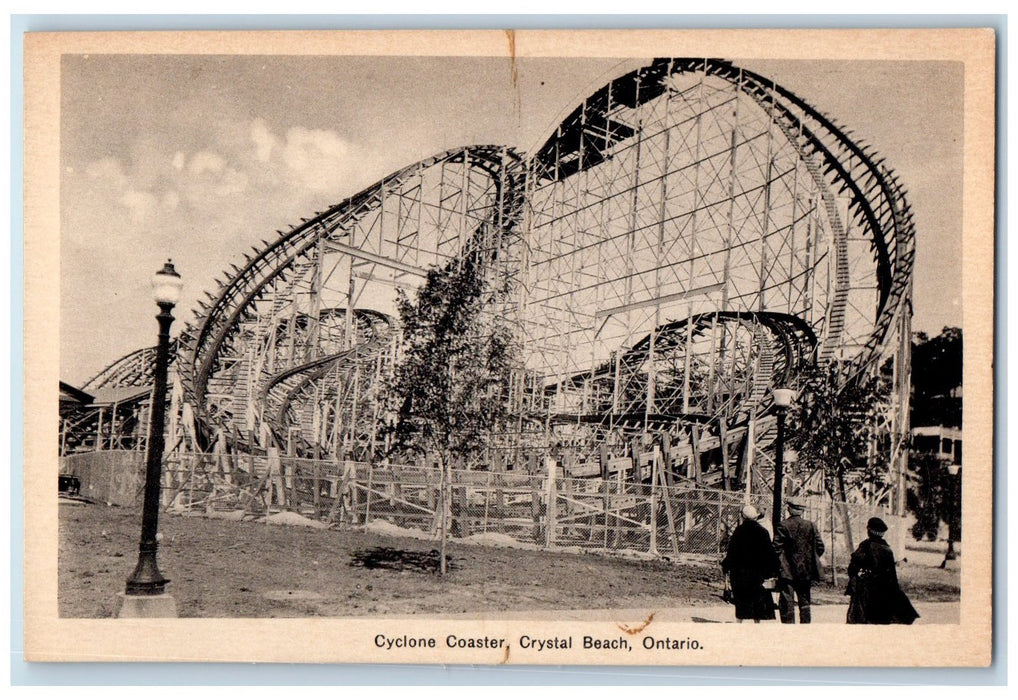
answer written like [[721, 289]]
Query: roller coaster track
[[115, 417], [133, 369], [877, 200], [286, 388], [783, 344], [211, 337], [836, 161], [713, 370]]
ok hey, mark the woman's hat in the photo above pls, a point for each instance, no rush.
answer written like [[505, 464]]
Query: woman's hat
[[750, 513], [876, 525]]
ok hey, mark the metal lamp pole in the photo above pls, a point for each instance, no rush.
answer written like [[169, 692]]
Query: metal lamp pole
[[952, 526], [782, 400], [146, 580]]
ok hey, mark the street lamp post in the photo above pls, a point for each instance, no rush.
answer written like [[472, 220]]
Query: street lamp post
[[782, 400], [952, 526], [146, 581]]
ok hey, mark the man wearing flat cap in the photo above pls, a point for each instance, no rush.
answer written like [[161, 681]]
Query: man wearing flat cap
[[877, 599], [799, 547]]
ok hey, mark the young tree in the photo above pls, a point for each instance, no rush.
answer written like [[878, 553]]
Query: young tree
[[831, 430], [452, 382]]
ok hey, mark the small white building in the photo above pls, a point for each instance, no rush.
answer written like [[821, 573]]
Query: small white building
[[939, 440]]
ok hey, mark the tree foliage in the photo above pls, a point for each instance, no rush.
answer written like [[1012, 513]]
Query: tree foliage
[[451, 384], [935, 496], [830, 431], [936, 376]]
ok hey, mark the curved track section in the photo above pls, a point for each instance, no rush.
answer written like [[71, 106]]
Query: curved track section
[[693, 182], [382, 239], [762, 351], [116, 419], [289, 397], [692, 188], [133, 369]]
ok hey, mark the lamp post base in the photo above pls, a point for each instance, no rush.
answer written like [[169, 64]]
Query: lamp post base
[[951, 564], [137, 606], [950, 557]]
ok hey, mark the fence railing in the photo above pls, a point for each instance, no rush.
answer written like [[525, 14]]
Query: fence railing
[[586, 513], [116, 477]]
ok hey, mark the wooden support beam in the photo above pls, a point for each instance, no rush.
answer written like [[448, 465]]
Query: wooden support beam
[[382, 260], [658, 301]]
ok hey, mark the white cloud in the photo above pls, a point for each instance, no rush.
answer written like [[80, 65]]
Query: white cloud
[[320, 159], [311, 161], [310, 148], [139, 204], [203, 208], [206, 162], [264, 141], [108, 170], [232, 182]]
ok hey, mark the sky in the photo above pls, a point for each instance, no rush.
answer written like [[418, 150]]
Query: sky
[[200, 158]]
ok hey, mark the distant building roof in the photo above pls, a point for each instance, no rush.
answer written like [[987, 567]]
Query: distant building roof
[[72, 393], [107, 396], [939, 430]]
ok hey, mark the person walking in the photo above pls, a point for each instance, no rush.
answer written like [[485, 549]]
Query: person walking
[[749, 562], [876, 596], [799, 547]]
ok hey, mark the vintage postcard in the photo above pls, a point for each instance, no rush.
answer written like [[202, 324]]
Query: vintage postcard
[[536, 347]]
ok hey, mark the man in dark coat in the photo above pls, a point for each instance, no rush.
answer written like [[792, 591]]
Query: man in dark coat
[[749, 561], [799, 548], [877, 599]]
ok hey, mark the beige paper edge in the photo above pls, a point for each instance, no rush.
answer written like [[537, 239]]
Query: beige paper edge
[[49, 638]]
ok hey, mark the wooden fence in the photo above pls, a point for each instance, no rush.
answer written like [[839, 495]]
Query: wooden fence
[[586, 513]]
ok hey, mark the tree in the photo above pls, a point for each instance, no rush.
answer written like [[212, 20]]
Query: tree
[[832, 428], [935, 493], [451, 385], [934, 497], [936, 378]]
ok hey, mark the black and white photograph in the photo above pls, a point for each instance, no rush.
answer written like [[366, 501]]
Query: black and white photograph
[[510, 347]]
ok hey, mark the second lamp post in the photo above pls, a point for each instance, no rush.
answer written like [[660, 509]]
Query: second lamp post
[[782, 400]]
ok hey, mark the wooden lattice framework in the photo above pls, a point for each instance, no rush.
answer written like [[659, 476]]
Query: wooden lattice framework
[[687, 239]]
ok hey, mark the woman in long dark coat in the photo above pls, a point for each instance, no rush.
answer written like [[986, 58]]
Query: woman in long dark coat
[[750, 560], [877, 599]]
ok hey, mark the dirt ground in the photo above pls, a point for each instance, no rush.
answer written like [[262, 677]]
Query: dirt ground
[[224, 568]]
